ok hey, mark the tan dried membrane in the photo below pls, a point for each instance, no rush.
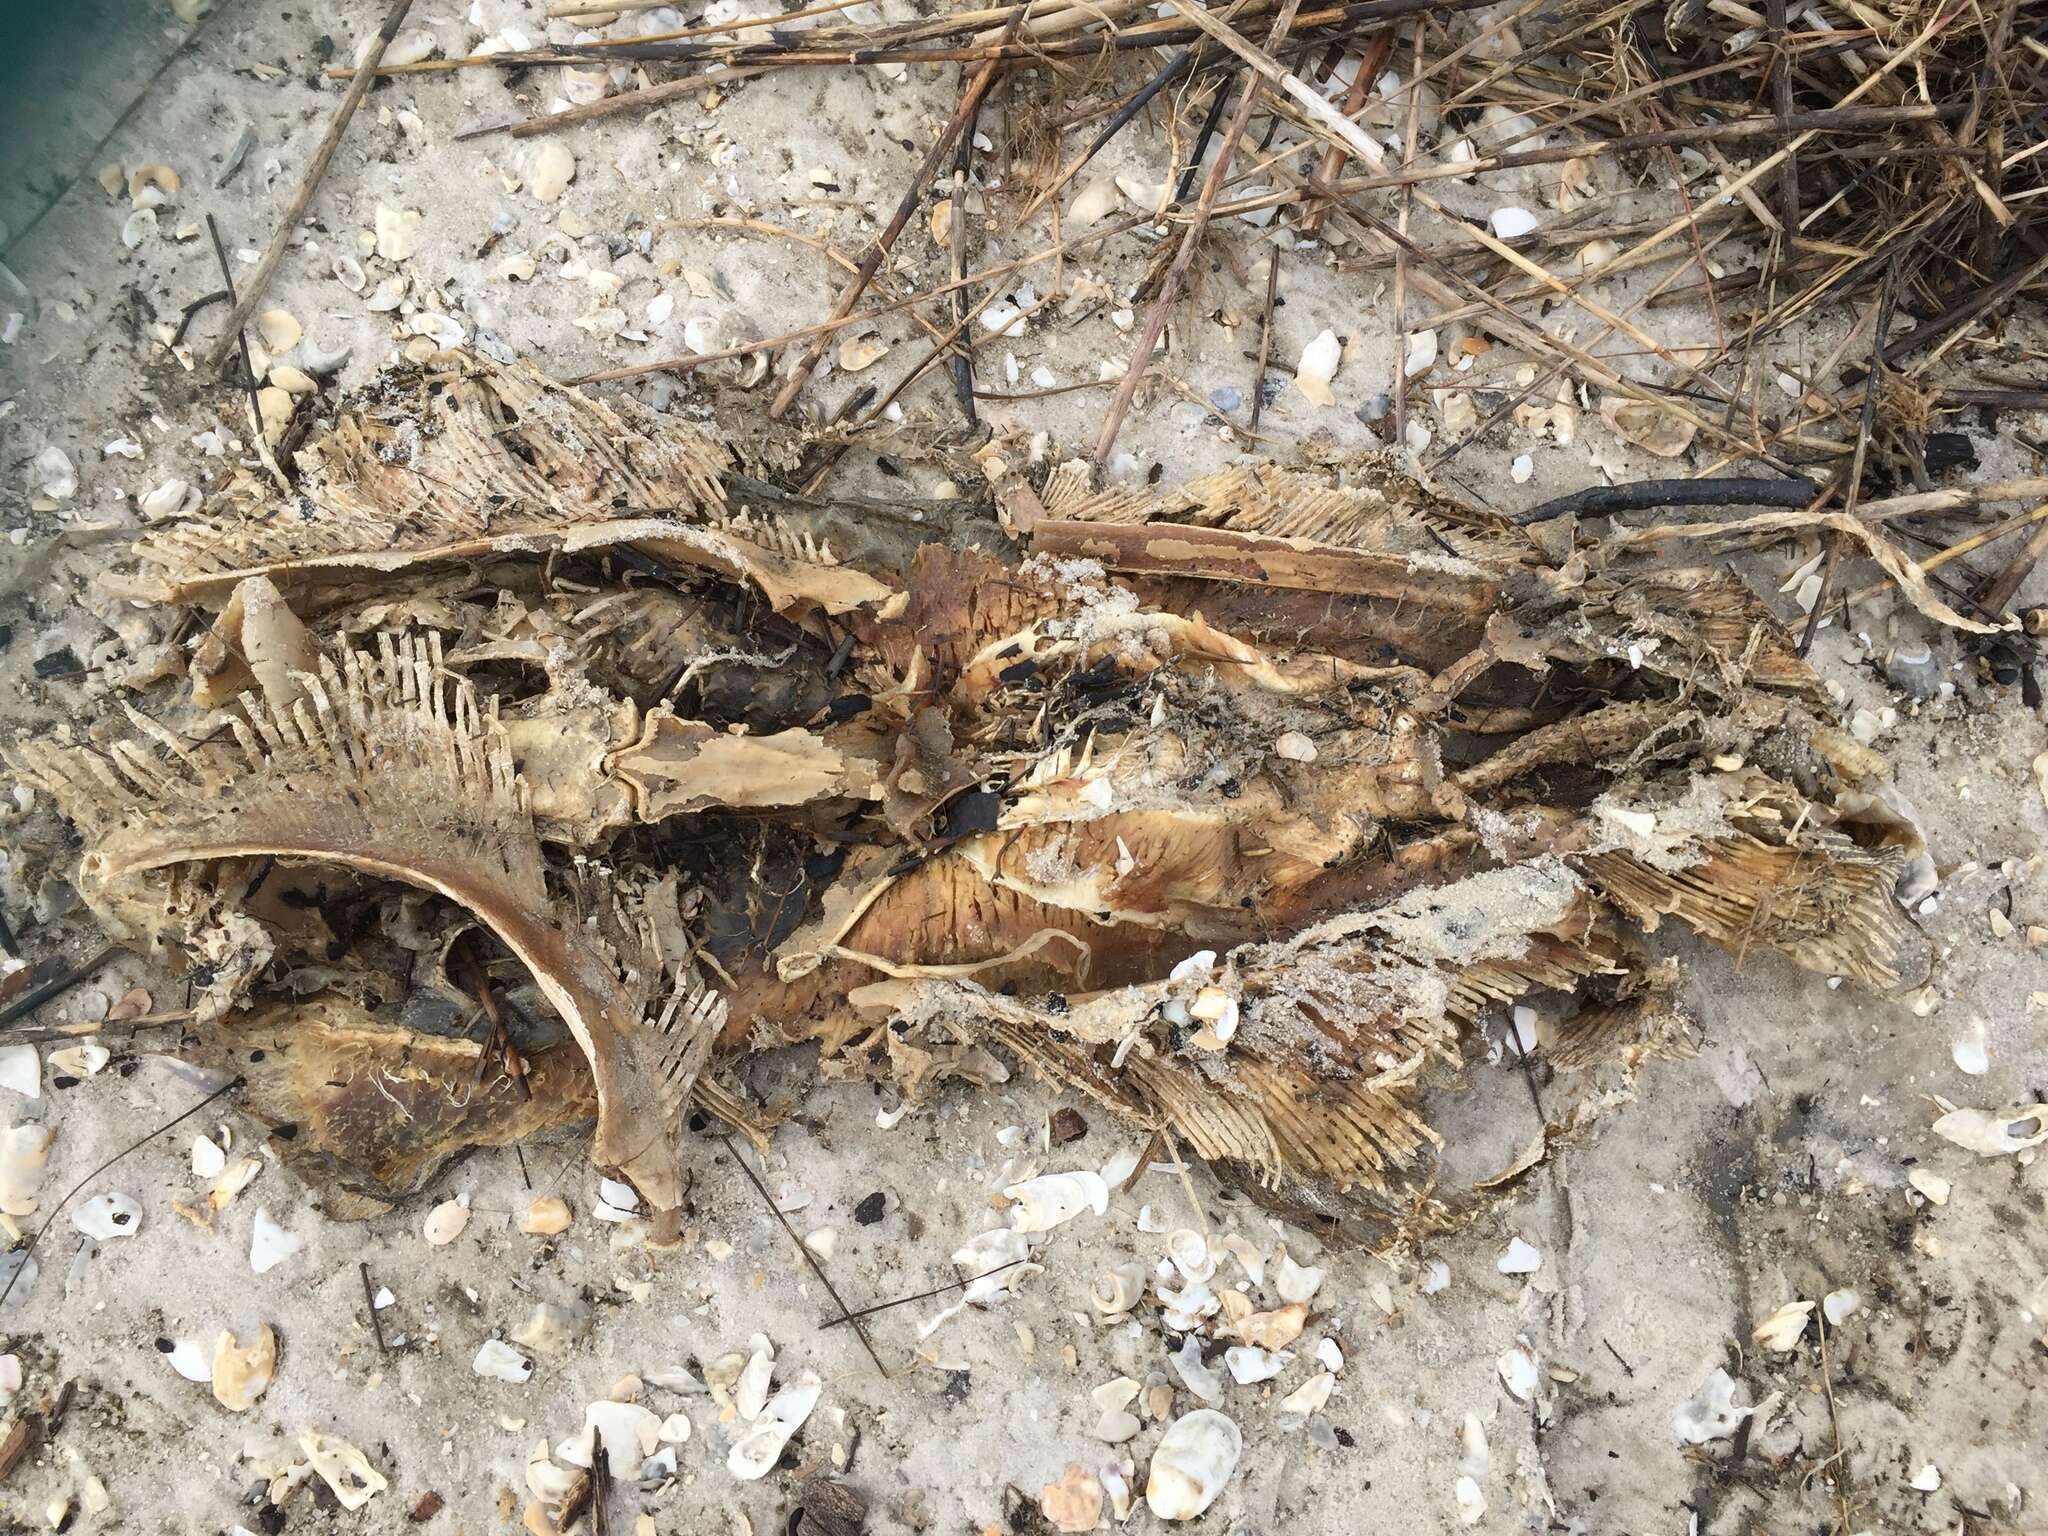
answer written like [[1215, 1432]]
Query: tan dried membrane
[[1237, 807]]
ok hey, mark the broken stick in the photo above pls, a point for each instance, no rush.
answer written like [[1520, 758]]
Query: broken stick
[[259, 280]]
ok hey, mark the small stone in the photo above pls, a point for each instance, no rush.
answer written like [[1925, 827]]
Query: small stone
[[871, 1209], [445, 1221], [1065, 1126]]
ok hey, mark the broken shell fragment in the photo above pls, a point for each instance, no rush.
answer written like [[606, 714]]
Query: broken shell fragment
[[110, 1215], [1276, 1329], [1781, 1330], [761, 1446], [1074, 1503], [239, 1375], [1194, 1460], [270, 1244], [153, 186], [554, 167], [1189, 1251], [1040, 1204], [280, 331], [343, 1468], [1993, 1133], [163, 500], [81, 1060], [1311, 1396], [398, 232], [187, 1357], [1296, 1282], [547, 1215], [1318, 365], [1115, 1291], [501, 1362], [1197, 1376], [445, 1221], [1249, 1365], [21, 1069], [1518, 1373]]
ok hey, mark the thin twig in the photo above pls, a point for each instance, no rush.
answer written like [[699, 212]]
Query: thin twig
[[809, 1257], [259, 280], [56, 1210], [904, 1301], [1176, 274], [370, 1301]]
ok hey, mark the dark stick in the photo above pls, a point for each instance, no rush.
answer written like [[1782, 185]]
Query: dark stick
[[1781, 90], [1208, 131], [809, 1257], [956, 256], [1265, 338], [1176, 274], [970, 105], [202, 302], [1828, 572], [259, 280], [240, 333], [370, 1301], [1641, 495], [30, 1001], [937, 1290], [600, 1485], [227, 1087]]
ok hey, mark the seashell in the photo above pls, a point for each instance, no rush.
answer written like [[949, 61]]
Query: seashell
[[1119, 1168], [1520, 1259], [1318, 365], [1194, 1460], [188, 1358], [295, 382], [1310, 1396], [138, 227], [1189, 1251], [111, 178], [1196, 967], [1117, 1424], [1294, 1282], [270, 1244], [1649, 426], [631, 1434], [235, 1178], [1330, 1356], [750, 1392], [1470, 1500], [110, 1215], [675, 1429], [547, 1215], [1420, 352], [1276, 1329], [21, 1069], [349, 273], [1926, 1480], [1518, 1373], [1294, 747], [755, 1452], [1522, 469], [554, 167], [1990, 1133], [441, 330], [1198, 1377], [24, 1155], [1248, 1365], [1511, 223], [81, 1060], [547, 1482], [550, 1329], [1094, 203], [323, 362], [1781, 1330], [445, 1221], [1003, 319], [500, 1361], [858, 352], [1074, 1503], [275, 406], [279, 329], [153, 186], [1838, 1306], [1185, 1308], [342, 1468], [409, 47], [165, 498], [1247, 1255], [398, 232], [659, 308], [1930, 1184], [1116, 1291], [1040, 1204], [240, 1376]]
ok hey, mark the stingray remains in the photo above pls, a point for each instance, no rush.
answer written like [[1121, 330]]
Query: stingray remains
[[1242, 808]]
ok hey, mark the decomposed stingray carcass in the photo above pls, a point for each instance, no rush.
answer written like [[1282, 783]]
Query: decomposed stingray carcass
[[1239, 807]]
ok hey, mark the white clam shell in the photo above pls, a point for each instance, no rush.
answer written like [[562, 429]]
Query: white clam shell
[[109, 1215], [755, 1452], [1194, 1460], [188, 1357]]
